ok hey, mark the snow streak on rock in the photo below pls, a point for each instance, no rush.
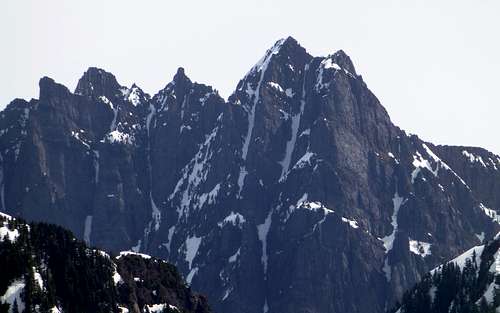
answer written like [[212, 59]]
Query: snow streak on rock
[[290, 145], [87, 229], [261, 68], [388, 241], [262, 232]]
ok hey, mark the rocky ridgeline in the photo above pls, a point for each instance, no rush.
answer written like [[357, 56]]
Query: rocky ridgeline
[[296, 194]]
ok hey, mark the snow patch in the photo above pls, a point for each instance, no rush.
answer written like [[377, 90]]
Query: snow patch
[[192, 245], [235, 219], [227, 292], [234, 257], [391, 155], [132, 95], [480, 236], [87, 229], [55, 309], [388, 241], [13, 294], [326, 64], [171, 231], [193, 174], [209, 197], [441, 163], [112, 126], [276, 86], [76, 135], [7, 234], [183, 128], [474, 158], [490, 213], [262, 232], [156, 213], [304, 160], [123, 309], [117, 279], [191, 274], [158, 308], [420, 163], [125, 253], [117, 136], [420, 248], [352, 223], [38, 278], [290, 145], [306, 132]]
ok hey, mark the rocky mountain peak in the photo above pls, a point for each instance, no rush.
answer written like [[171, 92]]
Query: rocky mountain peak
[[343, 60], [49, 88], [18, 104], [135, 95], [180, 73], [301, 188], [181, 80], [290, 46], [97, 82]]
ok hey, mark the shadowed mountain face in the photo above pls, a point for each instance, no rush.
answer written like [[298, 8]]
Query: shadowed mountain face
[[297, 194]]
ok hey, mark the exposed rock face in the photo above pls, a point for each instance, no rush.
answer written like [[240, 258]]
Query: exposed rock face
[[297, 194], [479, 168]]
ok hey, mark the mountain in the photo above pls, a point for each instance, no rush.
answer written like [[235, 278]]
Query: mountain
[[468, 283], [296, 194], [50, 271]]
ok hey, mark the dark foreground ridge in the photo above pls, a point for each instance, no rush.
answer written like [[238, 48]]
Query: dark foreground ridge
[[469, 283], [50, 271], [297, 194]]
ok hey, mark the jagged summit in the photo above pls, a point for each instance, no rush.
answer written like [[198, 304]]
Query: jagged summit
[[284, 48], [180, 74], [290, 45], [17, 103], [49, 88], [181, 80], [299, 185], [97, 82], [344, 61], [284, 53]]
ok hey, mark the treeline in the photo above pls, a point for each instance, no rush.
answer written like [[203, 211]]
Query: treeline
[[74, 277], [453, 289], [60, 273]]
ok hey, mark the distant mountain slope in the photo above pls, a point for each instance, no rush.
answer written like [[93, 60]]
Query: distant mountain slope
[[296, 194], [45, 269], [468, 283]]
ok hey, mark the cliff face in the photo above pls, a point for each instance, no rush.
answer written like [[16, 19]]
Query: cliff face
[[297, 194], [479, 168]]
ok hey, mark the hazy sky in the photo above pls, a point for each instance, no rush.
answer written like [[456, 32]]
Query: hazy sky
[[434, 65]]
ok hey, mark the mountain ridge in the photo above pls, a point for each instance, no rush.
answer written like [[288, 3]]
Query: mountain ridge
[[297, 187]]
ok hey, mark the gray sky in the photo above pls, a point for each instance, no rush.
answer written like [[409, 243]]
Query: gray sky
[[434, 65]]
